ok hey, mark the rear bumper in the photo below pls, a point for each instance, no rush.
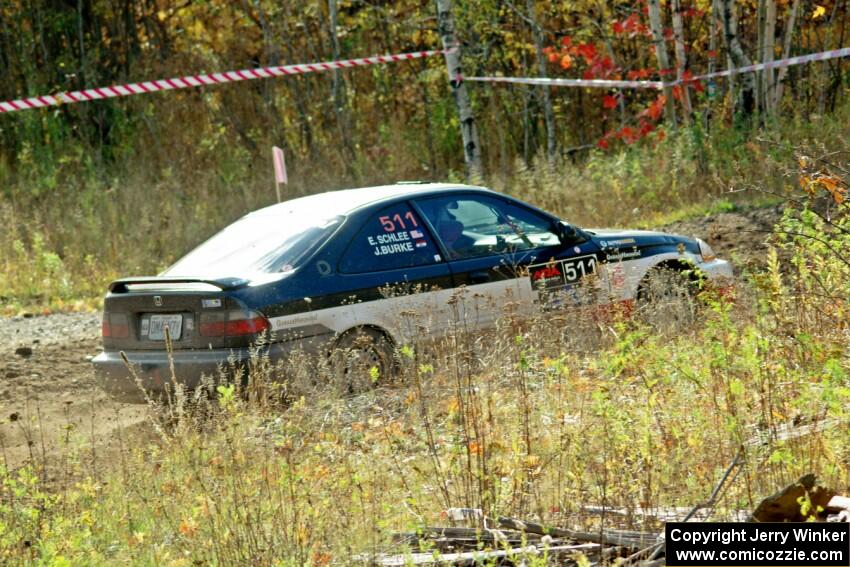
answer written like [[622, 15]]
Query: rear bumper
[[151, 370]]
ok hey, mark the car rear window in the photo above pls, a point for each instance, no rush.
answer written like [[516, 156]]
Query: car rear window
[[268, 242]]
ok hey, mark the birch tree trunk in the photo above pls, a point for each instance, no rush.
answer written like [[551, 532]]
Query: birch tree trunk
[[681, 57], [546, 93], [712, 64], [339, 95], [272, 52], [471, 148], [661, 54], [786, 50], [769, 45], [729, 21], [759, 75], [712, 42]]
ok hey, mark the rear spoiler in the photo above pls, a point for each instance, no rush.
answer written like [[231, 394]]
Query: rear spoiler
[[121, 286]]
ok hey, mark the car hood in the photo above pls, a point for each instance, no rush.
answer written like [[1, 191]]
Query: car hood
[[615, 238]]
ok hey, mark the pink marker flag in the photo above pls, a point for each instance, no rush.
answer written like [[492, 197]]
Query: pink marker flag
[[279, 165]]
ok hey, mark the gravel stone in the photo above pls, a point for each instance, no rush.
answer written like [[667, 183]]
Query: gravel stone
[[58, 328]]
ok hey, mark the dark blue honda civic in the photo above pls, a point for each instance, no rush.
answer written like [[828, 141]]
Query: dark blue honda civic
[[350, 268]]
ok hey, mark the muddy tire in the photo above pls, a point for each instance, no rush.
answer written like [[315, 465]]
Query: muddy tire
[[361, 360], [667, 301]]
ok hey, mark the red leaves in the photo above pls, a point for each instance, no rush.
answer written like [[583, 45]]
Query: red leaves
[[646, 128], [588, 51], [631, 25], [591, 62], [568, 54], [689, 80], [599, 67], [677, 92], [638, 74], [655, 109], [628, 134]]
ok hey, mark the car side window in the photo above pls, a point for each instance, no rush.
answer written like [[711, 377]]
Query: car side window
[[390, 239], [470, 226]]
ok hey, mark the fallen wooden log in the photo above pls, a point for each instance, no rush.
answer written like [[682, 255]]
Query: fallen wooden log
[[482, 557], [445, 543], [508, 539], [667, 514], [606, 537]]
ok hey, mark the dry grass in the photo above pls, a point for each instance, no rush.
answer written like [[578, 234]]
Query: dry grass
[[518, 422]]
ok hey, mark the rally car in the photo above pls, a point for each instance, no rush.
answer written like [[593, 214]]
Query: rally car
[[351, 269]]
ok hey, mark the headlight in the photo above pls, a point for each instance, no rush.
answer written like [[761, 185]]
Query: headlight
[[705, 251]]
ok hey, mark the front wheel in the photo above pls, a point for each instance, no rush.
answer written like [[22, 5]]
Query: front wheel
[[361, 360], [666, 300]]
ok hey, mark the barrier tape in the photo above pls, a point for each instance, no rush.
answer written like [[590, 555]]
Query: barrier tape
[[592, 83], [599, 83], [191, 81], [790, 62]]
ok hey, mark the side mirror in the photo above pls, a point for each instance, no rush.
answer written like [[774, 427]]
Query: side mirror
[[567, 233]]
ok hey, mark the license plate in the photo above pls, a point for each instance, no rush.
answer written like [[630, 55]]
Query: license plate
[[158, 324]]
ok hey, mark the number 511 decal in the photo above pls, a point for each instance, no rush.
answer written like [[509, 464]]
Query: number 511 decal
[[396, 222], [558, 273]]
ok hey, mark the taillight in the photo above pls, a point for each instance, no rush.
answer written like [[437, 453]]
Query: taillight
[[232, 323], [115, 325]]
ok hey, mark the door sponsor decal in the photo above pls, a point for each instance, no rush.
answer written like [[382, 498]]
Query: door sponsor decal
[[620, 255]]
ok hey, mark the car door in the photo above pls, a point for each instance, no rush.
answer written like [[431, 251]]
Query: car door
[[508, 257], [396, 276]]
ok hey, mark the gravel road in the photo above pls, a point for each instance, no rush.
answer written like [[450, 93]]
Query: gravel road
[[49, 329], [48, 394]]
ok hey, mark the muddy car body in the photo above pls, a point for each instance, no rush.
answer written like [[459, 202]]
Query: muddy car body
[[311, 272]]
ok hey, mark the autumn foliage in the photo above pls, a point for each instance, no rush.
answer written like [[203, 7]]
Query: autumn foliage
[[626, 52]]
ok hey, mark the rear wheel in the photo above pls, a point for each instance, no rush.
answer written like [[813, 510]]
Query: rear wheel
[[667, 300], [361, 360]]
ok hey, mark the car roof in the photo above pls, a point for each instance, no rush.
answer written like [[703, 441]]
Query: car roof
[[345, 201]]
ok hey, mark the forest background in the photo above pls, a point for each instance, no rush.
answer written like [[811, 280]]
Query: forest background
[[125, 186]]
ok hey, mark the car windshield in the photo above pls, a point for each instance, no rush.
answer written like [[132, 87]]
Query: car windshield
[[268, 241]]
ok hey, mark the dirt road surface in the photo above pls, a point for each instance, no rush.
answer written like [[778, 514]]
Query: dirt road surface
[[47, 392], [47, 389]]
